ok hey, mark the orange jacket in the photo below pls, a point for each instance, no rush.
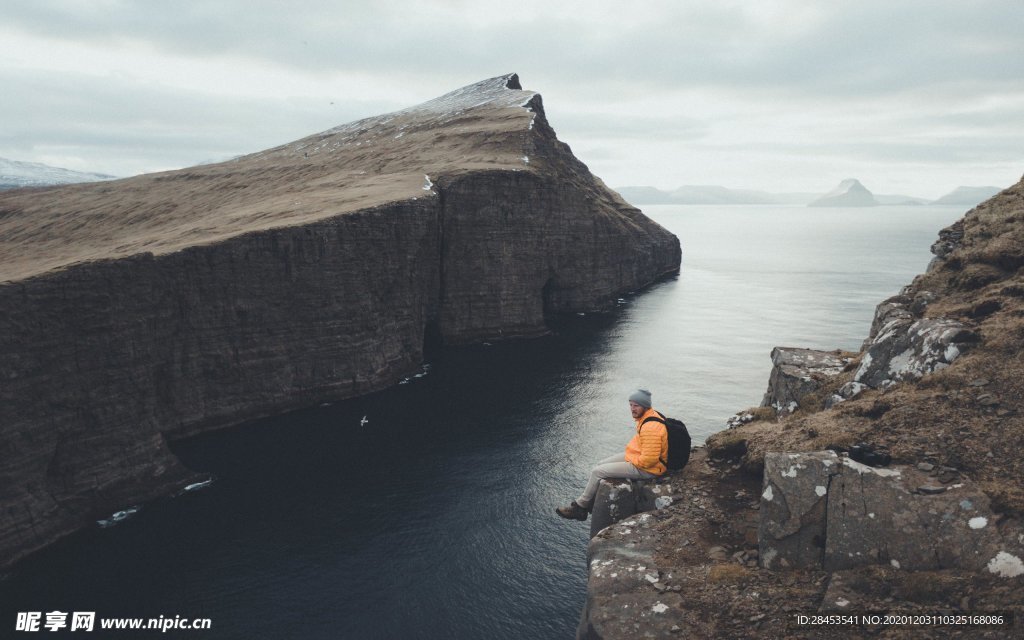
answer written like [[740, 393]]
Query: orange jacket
[[649, 446]]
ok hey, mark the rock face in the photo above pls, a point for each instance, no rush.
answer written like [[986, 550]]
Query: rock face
[[849, 193], [164, 305], [793, 510], [908, 349], [622, 566], [797, 373], [620, 499], [820, 511]]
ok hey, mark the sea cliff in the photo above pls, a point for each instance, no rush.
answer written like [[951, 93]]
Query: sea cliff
[[141, 310]]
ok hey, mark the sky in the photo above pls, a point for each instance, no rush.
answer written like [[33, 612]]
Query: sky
[[910, 97]]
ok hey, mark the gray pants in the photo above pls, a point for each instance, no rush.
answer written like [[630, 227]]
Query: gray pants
[[611, 467]]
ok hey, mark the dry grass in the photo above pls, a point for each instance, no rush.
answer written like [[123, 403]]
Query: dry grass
[[319, 177], [728, 573]]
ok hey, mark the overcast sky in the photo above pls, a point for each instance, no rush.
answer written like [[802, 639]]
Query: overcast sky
[[911, 97]]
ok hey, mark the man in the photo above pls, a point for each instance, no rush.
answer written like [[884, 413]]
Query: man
[[643, 459]]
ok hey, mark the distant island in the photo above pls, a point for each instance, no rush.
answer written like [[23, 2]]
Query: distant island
[[849, 192], [969, 196]]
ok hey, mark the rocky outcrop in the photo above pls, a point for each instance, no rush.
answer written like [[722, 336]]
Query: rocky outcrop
[[159, 306], [619, 499], [908, 349], [797, 373]]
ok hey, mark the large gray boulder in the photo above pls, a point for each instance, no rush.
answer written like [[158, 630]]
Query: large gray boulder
[[878, 516], [791, 533], [907, 349], [822, 511], [797, 373], [618, 499]]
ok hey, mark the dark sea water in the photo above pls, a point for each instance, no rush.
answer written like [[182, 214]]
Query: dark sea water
[[434, 519]]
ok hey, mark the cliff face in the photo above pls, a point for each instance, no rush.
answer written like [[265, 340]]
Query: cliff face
[[168, 304]]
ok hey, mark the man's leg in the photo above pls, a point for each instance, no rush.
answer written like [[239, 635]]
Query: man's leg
[[608, 469]]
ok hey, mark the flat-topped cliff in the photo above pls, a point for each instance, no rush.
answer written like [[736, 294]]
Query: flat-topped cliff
[[153, 307]]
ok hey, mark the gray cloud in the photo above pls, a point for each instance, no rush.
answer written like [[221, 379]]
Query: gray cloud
[[949, 74], [849, 47], [144, 127]]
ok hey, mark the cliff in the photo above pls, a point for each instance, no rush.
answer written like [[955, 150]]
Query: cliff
[[154, 307], [884, 481]]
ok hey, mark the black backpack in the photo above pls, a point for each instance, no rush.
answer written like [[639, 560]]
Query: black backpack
[[678, 441]]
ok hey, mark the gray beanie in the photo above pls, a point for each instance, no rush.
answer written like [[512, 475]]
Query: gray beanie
[[642, 397]]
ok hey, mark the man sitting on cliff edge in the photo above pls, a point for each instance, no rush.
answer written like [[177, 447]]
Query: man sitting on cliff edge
[[644, 458]]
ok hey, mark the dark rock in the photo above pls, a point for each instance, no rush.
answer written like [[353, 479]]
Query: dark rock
[[170, 304], [987, 400], [866, 454], [947, 477], [921, 300], [985, 309], [949, 241]]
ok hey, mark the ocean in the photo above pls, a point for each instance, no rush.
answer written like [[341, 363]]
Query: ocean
[[427, 510]]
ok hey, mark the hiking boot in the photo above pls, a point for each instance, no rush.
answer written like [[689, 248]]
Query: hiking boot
[[572, 512]]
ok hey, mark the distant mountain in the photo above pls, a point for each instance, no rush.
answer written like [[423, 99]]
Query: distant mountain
[[712, 194], [900, 200], [14, 174], [695, 194], [849, 193], [644, 195], [968, 196]]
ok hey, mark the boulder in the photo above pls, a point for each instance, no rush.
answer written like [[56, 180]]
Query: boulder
[[619, 499], [797, 373], [907, 349], [822, 511], [791, 532], [881, 516], [887, 313]]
